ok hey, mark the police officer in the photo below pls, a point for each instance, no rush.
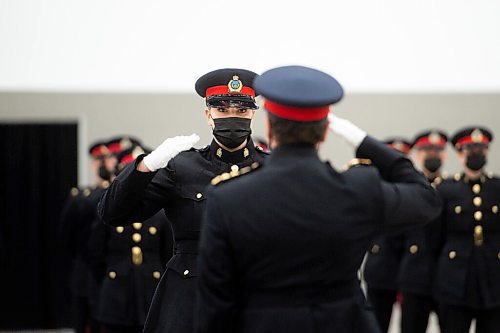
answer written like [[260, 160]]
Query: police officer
[[469, 264], [281, 246], [128, 262], [383, 261], [422, 245], [76, 223], [174, 177]]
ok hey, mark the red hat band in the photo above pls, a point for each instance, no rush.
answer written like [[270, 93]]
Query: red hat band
[[296, 113], [473, 139], [425, 141], [99, 151], [224, 90]]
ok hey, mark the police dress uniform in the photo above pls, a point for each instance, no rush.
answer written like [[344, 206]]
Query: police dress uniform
[[469, 263], [179, 189], [421, 249], [383, 261], [289, 237], [128, 262]]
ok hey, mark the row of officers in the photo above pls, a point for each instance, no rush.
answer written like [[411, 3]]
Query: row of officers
[[114, 270], [450, 265]]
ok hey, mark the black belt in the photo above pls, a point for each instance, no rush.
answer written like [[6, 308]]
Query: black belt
[[303, 296], [186, 247]]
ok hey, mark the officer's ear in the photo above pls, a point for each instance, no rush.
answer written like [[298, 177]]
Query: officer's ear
[[209, 118]]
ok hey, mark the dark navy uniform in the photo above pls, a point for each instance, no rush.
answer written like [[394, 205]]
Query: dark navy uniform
[[128, 262], [179, 189], [422, 245], [383, 261], [281, 246], [469, 263]]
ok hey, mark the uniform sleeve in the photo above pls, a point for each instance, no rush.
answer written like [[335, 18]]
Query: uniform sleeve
[[136, 195], [408, 199], [216, 301], [97, 249]]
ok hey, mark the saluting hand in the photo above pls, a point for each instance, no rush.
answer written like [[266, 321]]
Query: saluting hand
[[159, 157], [346, 130]]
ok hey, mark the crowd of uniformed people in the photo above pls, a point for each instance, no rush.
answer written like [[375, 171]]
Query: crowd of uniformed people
[[239, 236]]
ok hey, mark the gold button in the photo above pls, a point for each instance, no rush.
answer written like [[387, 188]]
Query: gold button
[[136, 250], [136, 237], [477, 201], [494, 209], [120, 229], [156, 275], [234, 168], [457, 177], [74, 192], [86, 192], [458, 209], [478, 230], [452, 254], [478, 216], [375, 248], [112, 275], [152, 230], [137, 225], [413, 249], [199, 195], [498, 255], [476, 188], [186, 272]]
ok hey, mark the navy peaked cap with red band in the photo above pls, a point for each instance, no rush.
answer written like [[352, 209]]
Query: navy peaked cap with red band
[[471, 135], [99, 149], [228, 84], [298, 93], [433, 137], [398, 143]]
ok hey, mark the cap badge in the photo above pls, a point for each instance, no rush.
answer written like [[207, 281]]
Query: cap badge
[[235, 85], [125, 143], [398, 145], [434, 138], [477, 135], [137, 151]]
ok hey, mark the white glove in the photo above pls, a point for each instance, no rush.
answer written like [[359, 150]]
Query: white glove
[[346, 130], [159, 157]]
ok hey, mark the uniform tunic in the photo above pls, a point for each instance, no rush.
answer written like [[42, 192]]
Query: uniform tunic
[[179, 189], [290, 237]]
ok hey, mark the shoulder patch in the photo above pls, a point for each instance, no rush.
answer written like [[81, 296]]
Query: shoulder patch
[[357, 162], [234, 174]]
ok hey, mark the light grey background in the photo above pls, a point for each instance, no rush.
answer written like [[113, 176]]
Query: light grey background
[[155, 117]]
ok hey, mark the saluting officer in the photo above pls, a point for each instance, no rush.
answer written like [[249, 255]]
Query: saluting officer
[[76, 223], [281, 246], [174, 176], [468, 274], [383, 260], [422, 245], [128, 262]]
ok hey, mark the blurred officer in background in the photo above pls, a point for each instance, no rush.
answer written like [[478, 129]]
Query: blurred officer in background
[[128, 262], [383, 260], [468, 272], [281, 246], [422, 245], [76, 223], [174, 176]]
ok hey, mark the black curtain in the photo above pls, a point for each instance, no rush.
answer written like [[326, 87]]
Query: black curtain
[[38, 167]]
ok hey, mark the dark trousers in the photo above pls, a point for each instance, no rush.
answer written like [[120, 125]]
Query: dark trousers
[[415, 311], [458, 319], [121, 329], [82, 316], [381, 301]]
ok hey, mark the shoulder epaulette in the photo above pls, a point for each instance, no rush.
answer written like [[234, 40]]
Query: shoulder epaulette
[[234, 173], [357, 162]]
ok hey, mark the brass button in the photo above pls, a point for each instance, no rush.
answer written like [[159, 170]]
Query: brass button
[[413, 249], [136, 250], [119, 229], [137, 255], [494, 209], [199, 195], [186, 272], [477, 201], [452, 254], [375, 248], [86, 192], [74, 192], [478, 229], [457, 177], [476, 188], [156, 275], [112, 275], [498, 255], [152, 230], [234, 168], [105, 184], [478, 235], [478, 216], [136, 237], [458, 209], [137, 225]]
